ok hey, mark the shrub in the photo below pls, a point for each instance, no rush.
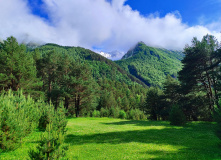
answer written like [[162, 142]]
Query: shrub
[[104, 112], [96, 113], [55, 117], [136, 114], [18, 117], [51, 145], [46, 115], [59, 119], [177, 116], [114, 112], [122, 114]]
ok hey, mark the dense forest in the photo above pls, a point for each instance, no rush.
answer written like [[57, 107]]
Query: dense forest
[[151, 65], [41, 86]]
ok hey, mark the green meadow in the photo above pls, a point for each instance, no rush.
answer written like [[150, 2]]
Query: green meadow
[[107, 138]]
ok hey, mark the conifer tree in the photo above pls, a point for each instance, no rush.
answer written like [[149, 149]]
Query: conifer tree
[[17, 67], [200, 69]]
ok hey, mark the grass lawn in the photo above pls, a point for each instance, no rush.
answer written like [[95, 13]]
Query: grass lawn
[[106, 138]]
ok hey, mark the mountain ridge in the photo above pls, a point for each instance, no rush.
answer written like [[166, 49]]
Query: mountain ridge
[[151, 65]]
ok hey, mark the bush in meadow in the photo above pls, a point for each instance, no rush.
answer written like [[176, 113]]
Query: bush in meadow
[[136, 114], [51, 145], [177, 117], [104, 112], [122, 114], [19, 116], [96, 113], [114, 112]]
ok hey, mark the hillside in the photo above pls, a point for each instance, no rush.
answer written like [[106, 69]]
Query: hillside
[[101, 66], [151, 65]]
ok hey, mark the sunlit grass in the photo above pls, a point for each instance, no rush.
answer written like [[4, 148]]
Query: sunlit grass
[[106, 138]]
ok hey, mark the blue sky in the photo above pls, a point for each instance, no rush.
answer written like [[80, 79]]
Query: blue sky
[[193, 12], [107, 25]]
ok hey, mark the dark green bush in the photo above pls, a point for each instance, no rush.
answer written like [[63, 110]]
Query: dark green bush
[[177, 116], [136, 114], [104, 112], [114, 112], [122, 114], [96, 113]]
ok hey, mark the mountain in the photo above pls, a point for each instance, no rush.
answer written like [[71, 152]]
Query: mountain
[[101, 66], [151, 65]]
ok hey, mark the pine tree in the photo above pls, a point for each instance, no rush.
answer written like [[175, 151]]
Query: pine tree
[[200, 69], [17, 67]]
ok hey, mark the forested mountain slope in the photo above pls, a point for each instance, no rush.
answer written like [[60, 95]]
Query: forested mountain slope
[[101, 66], [151, 65]]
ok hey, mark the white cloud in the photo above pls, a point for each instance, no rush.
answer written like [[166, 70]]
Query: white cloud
[[89, 23]]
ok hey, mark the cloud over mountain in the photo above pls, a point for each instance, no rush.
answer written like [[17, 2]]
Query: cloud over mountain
[[109, 25]]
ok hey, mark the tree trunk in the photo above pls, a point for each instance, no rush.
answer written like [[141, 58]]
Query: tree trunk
[[77, 105], [66, 103]]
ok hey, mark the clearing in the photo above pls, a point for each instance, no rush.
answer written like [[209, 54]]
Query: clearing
[[107, 138]]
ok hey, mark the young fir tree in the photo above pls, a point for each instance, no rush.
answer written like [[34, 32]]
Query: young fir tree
[[19, 116]]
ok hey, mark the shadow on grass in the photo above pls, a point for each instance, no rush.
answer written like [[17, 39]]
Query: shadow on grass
[[140, 123], [199, 125], [189, 140]]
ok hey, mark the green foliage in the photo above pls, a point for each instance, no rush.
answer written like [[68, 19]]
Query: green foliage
[[84, 80], [51, 145], [152, 104], [17, 68], [136, 114], [122, 114], [104, 112], [96, 113], [177, 116], [151, 65], [54, 117], [18, 117], [114, 112], [101, 66], [200, 71]]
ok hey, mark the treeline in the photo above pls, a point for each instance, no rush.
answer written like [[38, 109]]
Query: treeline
[[84, 81], [196, 96]]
